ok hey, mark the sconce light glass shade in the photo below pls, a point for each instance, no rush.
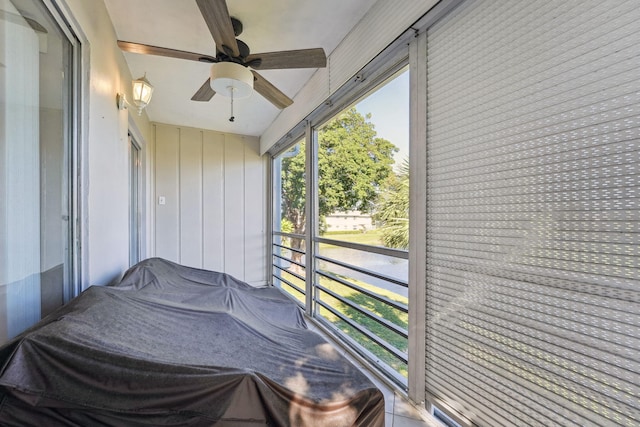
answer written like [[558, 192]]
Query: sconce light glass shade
[[231, 79], [142, 91]]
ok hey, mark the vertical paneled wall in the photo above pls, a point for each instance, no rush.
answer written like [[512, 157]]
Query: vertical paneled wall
[[210, 201]]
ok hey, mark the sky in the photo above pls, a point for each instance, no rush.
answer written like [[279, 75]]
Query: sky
[[389, 108]]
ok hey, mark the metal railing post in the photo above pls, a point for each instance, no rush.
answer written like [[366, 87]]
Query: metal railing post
[[310, 204]]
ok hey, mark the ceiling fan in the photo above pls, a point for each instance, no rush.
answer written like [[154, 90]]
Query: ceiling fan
[[233, 58]]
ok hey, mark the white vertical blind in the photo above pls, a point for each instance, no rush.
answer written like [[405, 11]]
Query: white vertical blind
[[533, 291]]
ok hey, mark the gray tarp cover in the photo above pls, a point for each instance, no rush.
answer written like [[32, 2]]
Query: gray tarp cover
[[172, 345]]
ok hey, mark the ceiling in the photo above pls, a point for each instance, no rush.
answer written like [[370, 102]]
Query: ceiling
[[269, 25]]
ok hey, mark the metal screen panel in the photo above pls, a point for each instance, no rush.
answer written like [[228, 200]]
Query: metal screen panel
[[533, 297]]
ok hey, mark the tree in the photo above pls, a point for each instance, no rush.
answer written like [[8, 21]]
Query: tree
[[392, 211], [352, 165], [293, 194]]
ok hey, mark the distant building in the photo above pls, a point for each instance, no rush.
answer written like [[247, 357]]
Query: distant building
[[348, 221]]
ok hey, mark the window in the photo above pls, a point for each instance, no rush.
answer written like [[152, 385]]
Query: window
[[36, 134], [359, 233], [290, 218], [361, 275]]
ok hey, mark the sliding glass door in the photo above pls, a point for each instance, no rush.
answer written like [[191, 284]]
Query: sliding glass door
[[36, 73]]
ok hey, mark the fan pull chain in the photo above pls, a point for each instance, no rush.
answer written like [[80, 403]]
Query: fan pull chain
[[232, 118]]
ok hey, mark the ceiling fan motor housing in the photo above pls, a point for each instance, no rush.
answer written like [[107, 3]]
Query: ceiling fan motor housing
[[237, 26]]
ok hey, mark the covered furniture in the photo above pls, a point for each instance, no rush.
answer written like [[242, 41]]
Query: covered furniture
[[175, 346]]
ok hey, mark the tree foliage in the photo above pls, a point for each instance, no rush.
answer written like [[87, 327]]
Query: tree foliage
[[293, 189], [352, 165], [392, 210]]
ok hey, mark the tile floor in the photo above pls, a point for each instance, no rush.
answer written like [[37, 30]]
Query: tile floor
[[398, 411]]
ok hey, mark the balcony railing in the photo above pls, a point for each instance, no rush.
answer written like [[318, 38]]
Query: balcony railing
[[365, 306], [288, 274]]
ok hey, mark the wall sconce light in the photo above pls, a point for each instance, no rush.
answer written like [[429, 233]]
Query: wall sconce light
[[142, 91]]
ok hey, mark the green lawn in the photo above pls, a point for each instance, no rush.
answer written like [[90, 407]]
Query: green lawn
[[373, 237], [373, 305]]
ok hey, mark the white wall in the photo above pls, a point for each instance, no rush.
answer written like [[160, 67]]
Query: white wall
[[214, 184], [214, 212], [105, 151]]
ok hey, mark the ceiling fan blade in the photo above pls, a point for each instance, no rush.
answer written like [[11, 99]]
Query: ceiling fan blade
[[303, 58], [270, 92], [216, 15], [205, 93], [163, 51]]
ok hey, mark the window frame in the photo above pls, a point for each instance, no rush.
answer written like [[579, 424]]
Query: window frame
[[410, 47], [274, 218], [74, 131], [384, 67]]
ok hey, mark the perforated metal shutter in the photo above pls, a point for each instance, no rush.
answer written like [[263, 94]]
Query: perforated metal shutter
[[533, 291]]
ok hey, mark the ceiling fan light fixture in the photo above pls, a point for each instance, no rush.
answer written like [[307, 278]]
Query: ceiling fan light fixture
[[231, 79]]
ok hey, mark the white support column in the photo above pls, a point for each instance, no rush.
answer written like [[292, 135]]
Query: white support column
[[418, 216]]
